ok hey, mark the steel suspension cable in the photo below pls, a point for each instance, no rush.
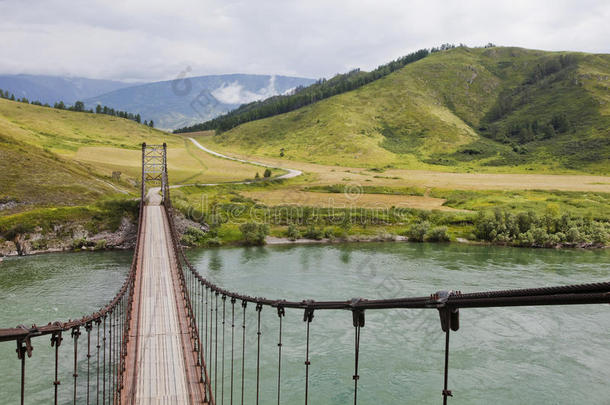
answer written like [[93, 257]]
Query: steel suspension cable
[[222, 378], [97, 373], [281, 312], [259, 308], [104, 366], [307, 317], [216, 346], [243, 349], [75, 336], [88, 326], [233, 300], [56, 339]]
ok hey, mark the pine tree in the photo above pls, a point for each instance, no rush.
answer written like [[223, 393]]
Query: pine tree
[[145, 122], [151, 124], [98, 109]]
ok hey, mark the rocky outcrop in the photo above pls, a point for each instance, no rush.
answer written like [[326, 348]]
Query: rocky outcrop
[[66, 237], [71, 237]]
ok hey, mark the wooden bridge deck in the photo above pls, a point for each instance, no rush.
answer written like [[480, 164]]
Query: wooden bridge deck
[[163, 369]]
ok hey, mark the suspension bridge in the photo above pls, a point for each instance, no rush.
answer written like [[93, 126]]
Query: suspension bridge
[[157, 341]]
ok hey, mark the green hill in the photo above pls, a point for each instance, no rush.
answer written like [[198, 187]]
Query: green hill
[[51, 157], [484, 109]]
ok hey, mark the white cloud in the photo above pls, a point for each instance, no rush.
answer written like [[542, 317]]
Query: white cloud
[[234, 93], [147, 40]]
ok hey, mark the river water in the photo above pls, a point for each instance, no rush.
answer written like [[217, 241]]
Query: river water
[[558, 355]]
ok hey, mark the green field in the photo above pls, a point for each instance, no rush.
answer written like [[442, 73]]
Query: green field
[[479, 109]]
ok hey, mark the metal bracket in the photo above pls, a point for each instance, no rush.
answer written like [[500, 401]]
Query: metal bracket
[[450, 316], [56, 339], [24, 344], [308, 314], [357, 313]]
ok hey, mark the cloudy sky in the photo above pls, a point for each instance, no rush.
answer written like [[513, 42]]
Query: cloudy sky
[[148, 40]]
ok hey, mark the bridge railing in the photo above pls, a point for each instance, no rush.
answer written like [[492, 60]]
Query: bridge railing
[[210, 305], [101, 354]]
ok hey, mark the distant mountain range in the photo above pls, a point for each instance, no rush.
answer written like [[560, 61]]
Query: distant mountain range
[[170, 104], [50, 89], [177, 103]]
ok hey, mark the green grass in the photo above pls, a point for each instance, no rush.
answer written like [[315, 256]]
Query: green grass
[[104, 215], [587, 204], [437, 113], [53, 158], [228, 208], [34, 177]]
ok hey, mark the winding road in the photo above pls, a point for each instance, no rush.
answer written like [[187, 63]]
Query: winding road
[[291, 172], [154, 197]]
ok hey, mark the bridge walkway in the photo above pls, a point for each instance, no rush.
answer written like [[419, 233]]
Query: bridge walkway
[[163, 369]]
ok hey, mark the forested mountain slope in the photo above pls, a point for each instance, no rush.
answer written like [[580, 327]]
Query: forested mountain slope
[[497, 108]]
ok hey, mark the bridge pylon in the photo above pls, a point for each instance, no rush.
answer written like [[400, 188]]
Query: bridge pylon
[[154, 169]]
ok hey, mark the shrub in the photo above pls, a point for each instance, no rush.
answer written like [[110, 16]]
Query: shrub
[[292, 232], [329, 233], [193, 237], [599, 233], [313, 233], [417, 232], [267, 173], [100, 244], [254, 234], [79, 243], [540, 236], [573, 234], [438, 234], [39, 244]]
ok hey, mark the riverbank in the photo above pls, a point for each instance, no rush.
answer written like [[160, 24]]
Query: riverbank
[[125, 237], [76, 235]]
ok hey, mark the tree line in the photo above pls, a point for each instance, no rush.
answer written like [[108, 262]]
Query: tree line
[[303, 96], [79, 106]]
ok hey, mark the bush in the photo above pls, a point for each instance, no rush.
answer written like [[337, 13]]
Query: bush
[[329, 233], [313, 233], [417, 232], [573, 235], [438, 234], [540, 237], [254, 234], [292, 232], [193, 237], [79, 243], [100, 244], [267, 173], [39, 244], [599, 233]]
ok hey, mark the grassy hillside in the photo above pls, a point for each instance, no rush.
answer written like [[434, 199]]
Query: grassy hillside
[[483, 109], [51, 157]]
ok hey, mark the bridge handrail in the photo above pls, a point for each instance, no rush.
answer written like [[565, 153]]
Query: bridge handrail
[[58, 326], [114, 364]]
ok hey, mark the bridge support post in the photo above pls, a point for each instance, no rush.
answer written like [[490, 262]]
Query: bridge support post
[[450, 320], [358, 321], [307, 317], [154, 168]]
